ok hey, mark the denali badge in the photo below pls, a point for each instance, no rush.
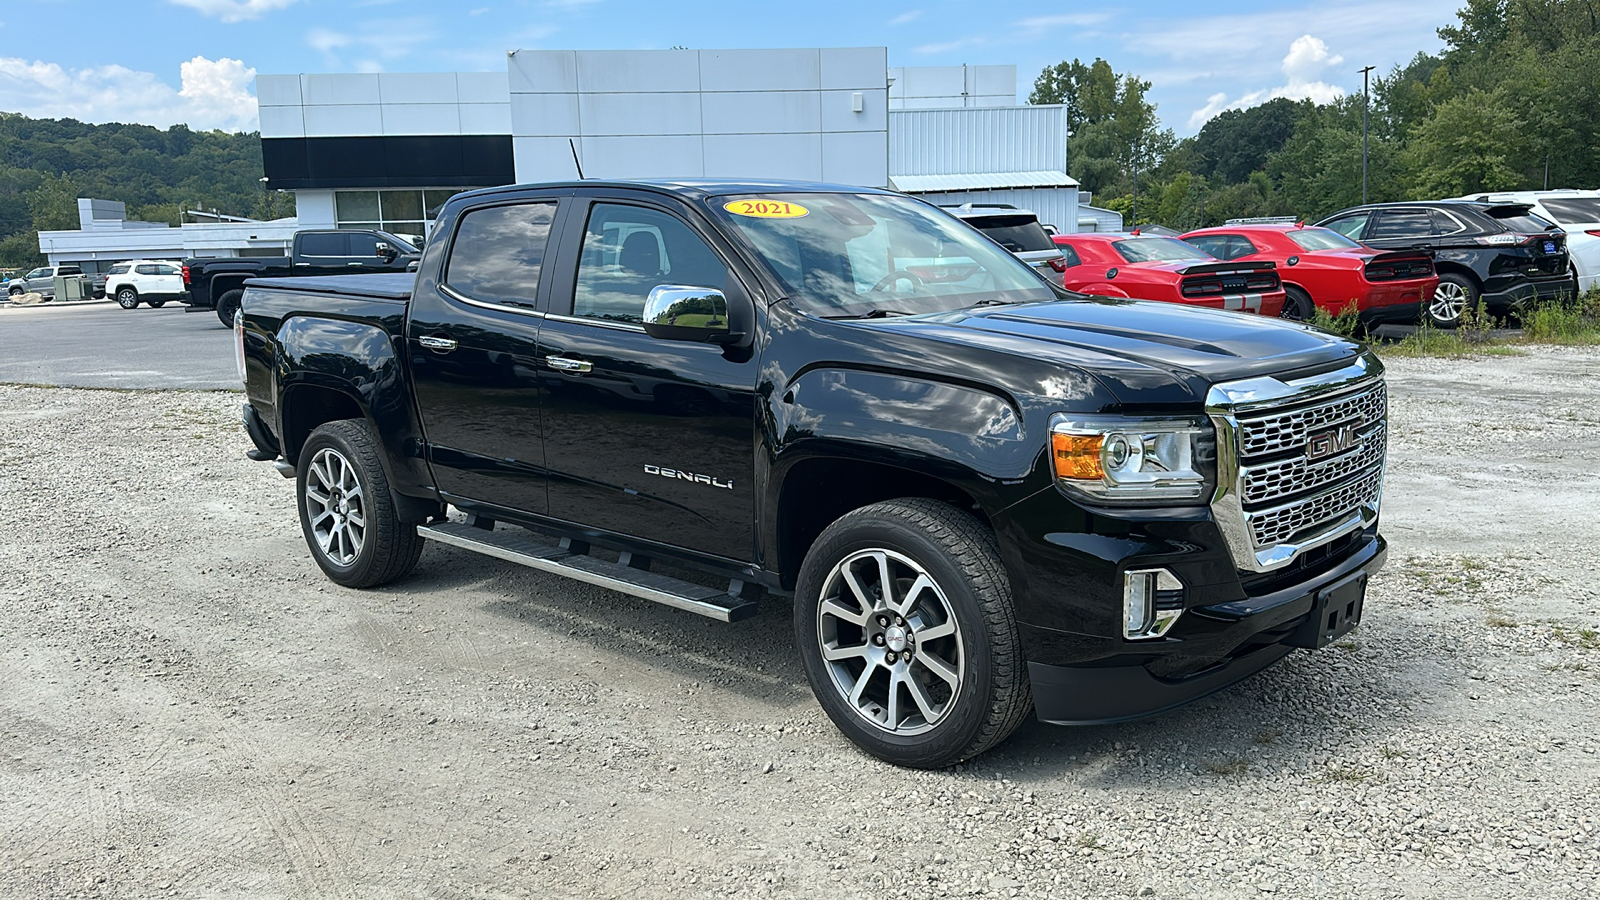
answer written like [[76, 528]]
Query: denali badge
[[1334, 440], [687, 476]]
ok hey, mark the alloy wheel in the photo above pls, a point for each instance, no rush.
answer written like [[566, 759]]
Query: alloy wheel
[[890, 640], [1449, 302], [336, 506]]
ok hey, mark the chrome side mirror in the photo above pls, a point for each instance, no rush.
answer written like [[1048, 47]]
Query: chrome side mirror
[[677, 312]]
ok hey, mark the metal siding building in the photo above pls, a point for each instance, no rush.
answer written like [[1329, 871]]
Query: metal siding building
[[1015, 155]]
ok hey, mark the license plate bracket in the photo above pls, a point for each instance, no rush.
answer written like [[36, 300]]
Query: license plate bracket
[[1335, 612]]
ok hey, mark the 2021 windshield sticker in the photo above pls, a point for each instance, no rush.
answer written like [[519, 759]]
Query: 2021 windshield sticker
[[766, 209]]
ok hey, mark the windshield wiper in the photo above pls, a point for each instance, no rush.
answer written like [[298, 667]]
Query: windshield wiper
[[879, 313]]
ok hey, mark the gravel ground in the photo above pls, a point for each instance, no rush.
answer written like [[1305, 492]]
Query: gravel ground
[[189, 708]]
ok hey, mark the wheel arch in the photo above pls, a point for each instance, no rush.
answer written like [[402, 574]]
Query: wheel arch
[[1449, 267]]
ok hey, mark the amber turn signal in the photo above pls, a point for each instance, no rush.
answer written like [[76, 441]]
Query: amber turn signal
[[1077, 456]]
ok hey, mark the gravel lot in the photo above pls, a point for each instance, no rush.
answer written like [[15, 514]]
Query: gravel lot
[[189, 708]]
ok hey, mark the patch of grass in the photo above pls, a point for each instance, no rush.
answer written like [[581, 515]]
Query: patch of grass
[[1346, 322], [1228, 767], [1347, 774], [1391, 752], [1585, 638], [1088, 841], [1348, 645], [1574, 321], [1572, 666], [1496, 620]]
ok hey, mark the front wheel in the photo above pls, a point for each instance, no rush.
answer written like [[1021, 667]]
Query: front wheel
[[128, 298], [1297, 305], [906, 628], [228, 305], [347, 514], [1451, 299]]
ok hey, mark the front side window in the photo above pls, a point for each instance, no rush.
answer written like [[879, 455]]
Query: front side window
[[167, 270], [119, 269], [1157, 249], [364, 245], [628, 251], [850, 255], [499, 251]]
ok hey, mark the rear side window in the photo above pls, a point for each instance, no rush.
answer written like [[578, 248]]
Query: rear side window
[[145, 270], [323, 244], [499, 251], [1350, 226], [1070, 255], [1574, 210], [1403, 223], [1320, 239], [1019, 234], [1214, 244]]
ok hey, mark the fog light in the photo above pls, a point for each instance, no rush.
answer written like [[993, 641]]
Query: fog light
[[1152, 601]]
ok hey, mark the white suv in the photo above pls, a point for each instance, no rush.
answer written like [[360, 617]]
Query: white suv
[[1578, 214], [149, 280]]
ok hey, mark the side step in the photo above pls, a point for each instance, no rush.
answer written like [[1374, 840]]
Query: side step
[[524, 548]]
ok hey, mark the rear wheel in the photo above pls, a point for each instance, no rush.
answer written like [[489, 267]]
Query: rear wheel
[[347, 514], [128, 298], [1297, 304], [228, 304], [905, 623], [1451, 299]]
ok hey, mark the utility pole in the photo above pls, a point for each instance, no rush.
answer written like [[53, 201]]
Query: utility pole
[[1365, 81], [1135, 161]]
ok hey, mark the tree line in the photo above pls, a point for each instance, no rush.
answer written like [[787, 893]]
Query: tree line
[[47, 164], [1511, 103]]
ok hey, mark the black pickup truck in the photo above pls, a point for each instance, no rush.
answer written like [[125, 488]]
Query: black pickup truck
[[985, 495], [217, 282]]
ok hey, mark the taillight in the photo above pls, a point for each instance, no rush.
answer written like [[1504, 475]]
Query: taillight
[[185, 276], [1059, 264], [1507, 240], [1593, 231], [1262, 283]]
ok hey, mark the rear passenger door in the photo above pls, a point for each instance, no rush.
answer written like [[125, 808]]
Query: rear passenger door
[[321, 253], [471, 339], [1399, 229], [643, 437]]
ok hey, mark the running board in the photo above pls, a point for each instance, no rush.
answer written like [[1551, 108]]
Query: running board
[[521, 547]]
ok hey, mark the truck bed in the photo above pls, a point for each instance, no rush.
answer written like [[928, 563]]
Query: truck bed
[[386, 286]]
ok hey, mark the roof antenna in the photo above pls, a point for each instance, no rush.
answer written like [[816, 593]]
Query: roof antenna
[[574, 145]]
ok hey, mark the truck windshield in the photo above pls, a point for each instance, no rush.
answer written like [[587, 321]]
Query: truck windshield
[[851, 255]]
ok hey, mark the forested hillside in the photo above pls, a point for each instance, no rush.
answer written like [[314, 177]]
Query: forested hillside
[[47, 164], [1516, 90]]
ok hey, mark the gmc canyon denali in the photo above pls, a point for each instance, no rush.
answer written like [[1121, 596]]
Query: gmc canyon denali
[[985, 494]]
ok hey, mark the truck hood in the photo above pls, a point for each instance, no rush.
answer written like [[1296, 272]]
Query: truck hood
[[1140, 350]]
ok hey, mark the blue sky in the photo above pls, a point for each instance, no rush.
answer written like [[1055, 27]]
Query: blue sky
[[193, 61]]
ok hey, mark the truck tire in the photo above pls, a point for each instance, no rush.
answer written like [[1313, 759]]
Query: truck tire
[[127, 298], [228, 304], [933, 674], [347, 514]]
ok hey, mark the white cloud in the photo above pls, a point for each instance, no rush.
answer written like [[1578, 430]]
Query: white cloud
[[215, 94], [1307, 61], [906, 18], [369, 49], [234, 10], [1075, 20]]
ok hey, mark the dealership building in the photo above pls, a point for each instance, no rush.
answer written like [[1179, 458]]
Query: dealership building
[[386, 150]]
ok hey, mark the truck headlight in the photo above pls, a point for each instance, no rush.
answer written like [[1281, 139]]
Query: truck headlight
[[1127, 459]]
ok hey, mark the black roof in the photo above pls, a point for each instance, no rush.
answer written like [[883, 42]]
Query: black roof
[[693, 188], [1446, 204]]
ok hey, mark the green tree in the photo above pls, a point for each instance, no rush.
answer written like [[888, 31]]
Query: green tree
[[1470, 143]]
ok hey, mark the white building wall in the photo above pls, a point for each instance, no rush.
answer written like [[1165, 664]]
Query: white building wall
[[811, 114], [942, 87], [957, 141], [361, 105]]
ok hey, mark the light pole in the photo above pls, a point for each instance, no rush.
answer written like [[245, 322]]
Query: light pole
[[266, 199], [1365, 77]]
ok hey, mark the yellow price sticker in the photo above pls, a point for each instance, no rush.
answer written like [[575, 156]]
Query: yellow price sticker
[[766, 209]]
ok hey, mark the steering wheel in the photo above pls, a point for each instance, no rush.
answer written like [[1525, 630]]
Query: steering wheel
[[889, 279]]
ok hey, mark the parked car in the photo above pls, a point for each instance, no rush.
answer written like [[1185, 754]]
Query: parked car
[[985, 495], [149, 281], [42, 281], [1323, 268], [1500, 253], [1017, 230], [1167, 269], [218, 282], [1578, 214]]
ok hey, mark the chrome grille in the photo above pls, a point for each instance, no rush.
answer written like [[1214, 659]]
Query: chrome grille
[[1274, 526], [1276, 480], [1273, 501], [1275, 433]]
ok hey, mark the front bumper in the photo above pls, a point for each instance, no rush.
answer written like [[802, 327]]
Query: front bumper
[[1222, 644]]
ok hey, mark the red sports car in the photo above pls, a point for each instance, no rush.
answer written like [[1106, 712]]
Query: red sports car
[[1163, 268], [1322, 266]]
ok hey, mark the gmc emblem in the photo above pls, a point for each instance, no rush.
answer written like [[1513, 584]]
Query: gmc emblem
[[1334, 440]]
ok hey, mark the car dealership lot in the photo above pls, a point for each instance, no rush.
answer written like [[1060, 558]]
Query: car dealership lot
[[102, 345], [193, 710]]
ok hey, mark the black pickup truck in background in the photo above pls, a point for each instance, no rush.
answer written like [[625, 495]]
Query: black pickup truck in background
[[218, 282], [986, 495]]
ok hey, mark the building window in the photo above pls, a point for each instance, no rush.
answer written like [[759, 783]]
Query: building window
[[406, 211]]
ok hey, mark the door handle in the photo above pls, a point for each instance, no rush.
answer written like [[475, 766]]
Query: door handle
[[563, 364], [440, 344]]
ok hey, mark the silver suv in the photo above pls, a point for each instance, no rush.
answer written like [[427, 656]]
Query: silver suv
[[1017, 230], [42, 280]]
